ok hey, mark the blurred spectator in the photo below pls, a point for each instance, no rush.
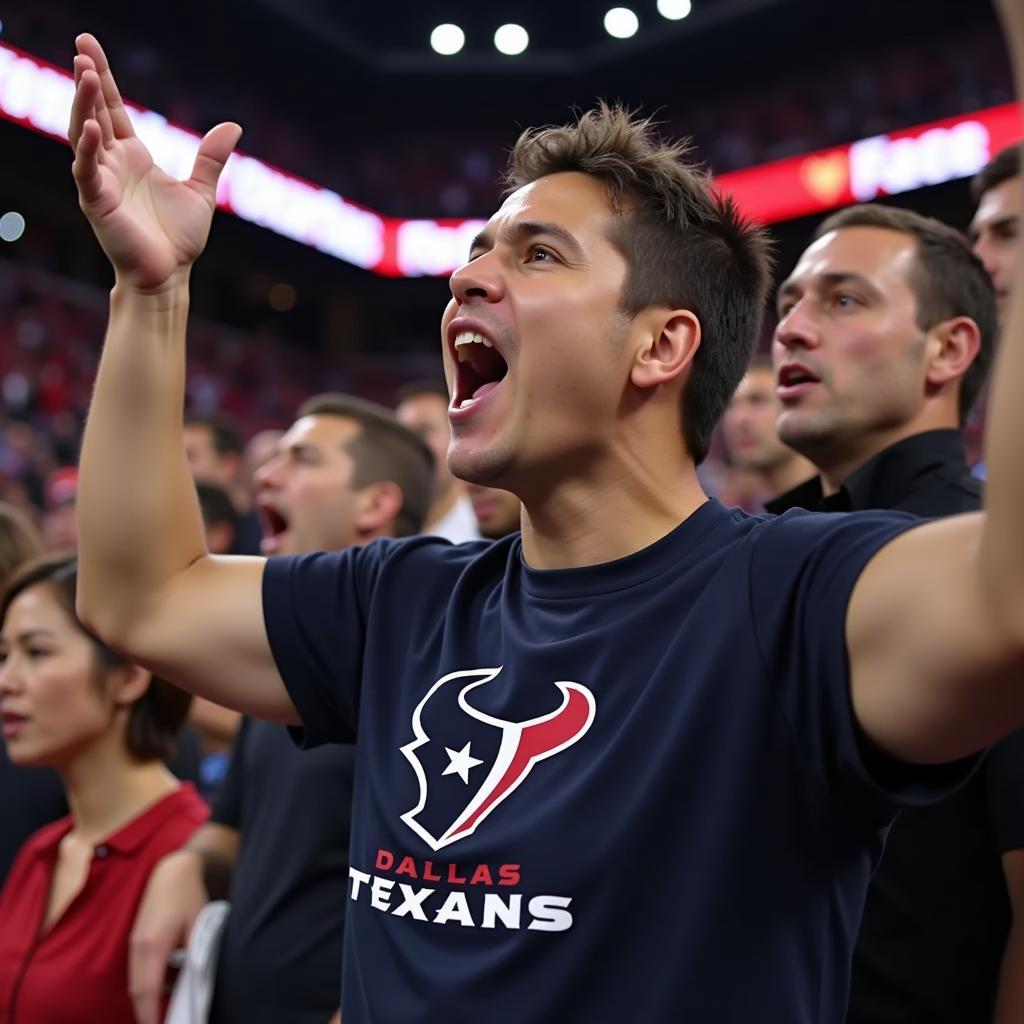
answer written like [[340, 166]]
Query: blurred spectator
[[215, 725], [347, 472], [29, 797], [220, 520], [60, 525], [67, 908], [213, 449], [993, 232], [261, 448], [762, 466], [19, 541], [497, 512], [995, 225], [422, 406]]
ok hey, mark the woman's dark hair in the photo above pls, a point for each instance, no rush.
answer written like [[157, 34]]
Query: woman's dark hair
[[155, 719]]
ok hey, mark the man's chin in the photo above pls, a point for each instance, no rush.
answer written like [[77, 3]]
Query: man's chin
[[475, 465]]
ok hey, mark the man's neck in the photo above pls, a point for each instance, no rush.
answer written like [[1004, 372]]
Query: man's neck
[[788, 473], [580, 523]]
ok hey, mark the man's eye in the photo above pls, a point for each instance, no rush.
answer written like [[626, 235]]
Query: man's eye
[[538, 254]]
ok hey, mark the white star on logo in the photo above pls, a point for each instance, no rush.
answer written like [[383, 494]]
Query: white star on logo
[[460, 763]]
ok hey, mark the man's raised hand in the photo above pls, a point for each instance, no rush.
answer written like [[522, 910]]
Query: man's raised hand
[[151, 226]]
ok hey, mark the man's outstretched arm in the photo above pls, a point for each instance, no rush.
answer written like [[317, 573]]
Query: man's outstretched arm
[[147, 584], [935, 626]]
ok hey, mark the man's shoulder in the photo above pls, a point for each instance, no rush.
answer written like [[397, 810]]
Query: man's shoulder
[[419, 553], [429, 558], [948, 493], [789, 545]]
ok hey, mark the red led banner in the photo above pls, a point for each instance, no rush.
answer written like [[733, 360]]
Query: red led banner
[[38, 95]]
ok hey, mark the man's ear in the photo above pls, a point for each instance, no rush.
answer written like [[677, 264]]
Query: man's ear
[[668, 343], [953, 345], [377, 505]]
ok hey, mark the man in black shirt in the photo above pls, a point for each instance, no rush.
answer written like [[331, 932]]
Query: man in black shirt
[[277, 842], [886, 319]]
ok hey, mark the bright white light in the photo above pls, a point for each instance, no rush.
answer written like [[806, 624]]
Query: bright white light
[[12, 226], [621, 22], [674, 9], [447, 39], [511, 39]]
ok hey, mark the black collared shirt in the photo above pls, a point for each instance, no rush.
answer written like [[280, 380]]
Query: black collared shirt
[[937, 913], [926, 475]]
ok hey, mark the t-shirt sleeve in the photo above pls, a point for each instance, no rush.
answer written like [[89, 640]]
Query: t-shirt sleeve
[[315, 610], [1004, 779], [227, 803], [802, 572]]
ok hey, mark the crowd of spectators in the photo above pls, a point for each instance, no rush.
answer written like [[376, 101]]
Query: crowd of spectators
[[51, 330], [424, 172]]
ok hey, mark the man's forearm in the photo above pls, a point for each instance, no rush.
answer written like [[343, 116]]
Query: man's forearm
[[138, 516]]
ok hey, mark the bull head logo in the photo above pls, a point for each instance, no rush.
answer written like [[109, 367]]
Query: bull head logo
[[488, 758]]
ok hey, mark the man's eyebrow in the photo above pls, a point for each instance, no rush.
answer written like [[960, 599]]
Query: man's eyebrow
[[1007, 223], [303, 448], [524, 230], [832, 279], [997, 226], [481, 241]]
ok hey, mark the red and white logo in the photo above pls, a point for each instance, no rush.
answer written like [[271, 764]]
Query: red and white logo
[[467, 762]]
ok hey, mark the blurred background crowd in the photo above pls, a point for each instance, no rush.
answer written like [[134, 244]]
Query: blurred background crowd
[[275, 322]]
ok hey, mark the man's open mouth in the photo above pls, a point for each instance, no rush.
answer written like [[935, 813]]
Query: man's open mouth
[[793, 374], [274, 525], [479, 368]]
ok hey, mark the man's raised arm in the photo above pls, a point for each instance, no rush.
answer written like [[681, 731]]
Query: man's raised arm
[[935, 626], [147, 584]]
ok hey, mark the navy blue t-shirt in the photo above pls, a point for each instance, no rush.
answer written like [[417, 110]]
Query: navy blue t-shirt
[[627, 792]]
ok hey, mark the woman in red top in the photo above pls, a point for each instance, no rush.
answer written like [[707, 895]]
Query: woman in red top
[[67, 907]]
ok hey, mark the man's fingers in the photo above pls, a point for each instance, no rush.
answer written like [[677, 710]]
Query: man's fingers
[[86, 168], [84, 102], [214, 150], [82, 63], [121, 124], [102, 115]]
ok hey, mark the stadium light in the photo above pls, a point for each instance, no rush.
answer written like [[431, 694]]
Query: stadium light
[[511, 40], [447, 39], [621, 23], [674, 10], [12, 226]]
